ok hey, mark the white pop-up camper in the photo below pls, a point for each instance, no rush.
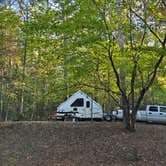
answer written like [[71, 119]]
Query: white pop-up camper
[[80, 106]]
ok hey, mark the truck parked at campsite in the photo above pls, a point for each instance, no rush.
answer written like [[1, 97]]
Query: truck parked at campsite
[[153, 113]]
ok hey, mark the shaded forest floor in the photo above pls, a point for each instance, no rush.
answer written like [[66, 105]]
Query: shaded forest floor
[[81, 144]]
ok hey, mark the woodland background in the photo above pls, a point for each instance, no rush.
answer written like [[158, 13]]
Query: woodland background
[[50, 49]]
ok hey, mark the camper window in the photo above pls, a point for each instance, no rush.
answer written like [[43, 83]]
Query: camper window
[[78, 103], [88, 104]]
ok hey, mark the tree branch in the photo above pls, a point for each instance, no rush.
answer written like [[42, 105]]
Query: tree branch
[[110, 52], [133, 76], [148, 26], [164, 3], [150, 82], [109, 91], [164, 41]]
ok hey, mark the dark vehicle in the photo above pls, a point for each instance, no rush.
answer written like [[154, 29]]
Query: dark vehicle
[[52, 116], [107, 117]]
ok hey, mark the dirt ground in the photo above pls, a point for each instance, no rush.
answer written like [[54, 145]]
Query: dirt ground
[[81, 144]]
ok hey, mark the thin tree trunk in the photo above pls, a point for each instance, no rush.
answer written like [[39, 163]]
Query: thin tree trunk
[[23, 78], [32, 114], [1, 101], [7, 107]]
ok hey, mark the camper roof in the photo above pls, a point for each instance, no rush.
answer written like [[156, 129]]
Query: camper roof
[[82, 93]]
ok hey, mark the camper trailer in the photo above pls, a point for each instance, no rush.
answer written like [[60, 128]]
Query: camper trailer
[[79, 106]]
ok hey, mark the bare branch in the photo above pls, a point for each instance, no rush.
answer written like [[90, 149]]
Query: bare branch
[[110, 92], [105, 90], [149, 82], [164, 41], [110, 52], [148, 26], [103, 15], [164, 3], [141, 75], [143, 37], [133, 76]]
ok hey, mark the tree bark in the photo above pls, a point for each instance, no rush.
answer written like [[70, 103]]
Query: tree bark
[[1, 101]]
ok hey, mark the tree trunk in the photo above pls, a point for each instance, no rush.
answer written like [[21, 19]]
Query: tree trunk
[[129, 120], [22, 101], [132, 122], [7, 110], [32, 114], [1, 101], [126, 119], [23, 78]]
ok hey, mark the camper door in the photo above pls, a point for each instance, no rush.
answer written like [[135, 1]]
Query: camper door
[[82, 107], [78, 107], [88, 109]]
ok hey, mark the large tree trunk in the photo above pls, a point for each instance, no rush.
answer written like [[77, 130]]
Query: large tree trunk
[[132, 121], [126, 118], [129, 120]]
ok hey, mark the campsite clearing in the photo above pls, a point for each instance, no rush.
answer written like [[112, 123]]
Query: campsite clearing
[[80, 144]]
